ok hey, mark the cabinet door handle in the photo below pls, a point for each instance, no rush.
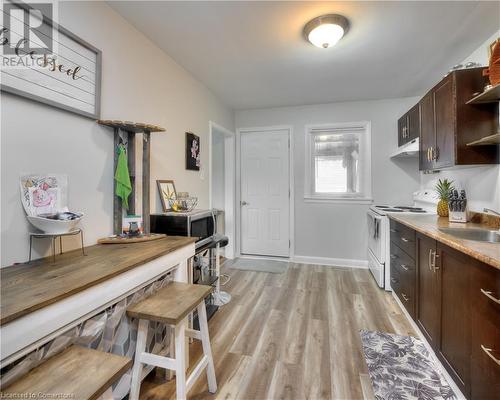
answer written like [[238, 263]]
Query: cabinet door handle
[[404, 267], [393, 257], [434, 256], [404, 239], [429, 260], [393, 230], [393, 280], [428, 158], [488, 294], [406, 298], [488, 352]]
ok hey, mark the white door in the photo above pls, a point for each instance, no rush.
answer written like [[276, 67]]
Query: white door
[[265, 202]]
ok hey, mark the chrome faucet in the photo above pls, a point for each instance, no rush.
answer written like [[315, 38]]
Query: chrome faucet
[[490, 211]]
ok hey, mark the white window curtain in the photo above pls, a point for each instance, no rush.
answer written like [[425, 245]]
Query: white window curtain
[[338, 162]]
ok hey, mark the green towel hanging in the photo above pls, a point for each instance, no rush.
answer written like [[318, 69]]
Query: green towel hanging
[[123, 186]]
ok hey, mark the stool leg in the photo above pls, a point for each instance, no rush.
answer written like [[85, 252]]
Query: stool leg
[[180, 360], [142, 334], [171, 334], [207, 350]]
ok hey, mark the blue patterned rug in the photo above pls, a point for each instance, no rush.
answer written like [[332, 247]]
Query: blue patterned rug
[[401, 368]]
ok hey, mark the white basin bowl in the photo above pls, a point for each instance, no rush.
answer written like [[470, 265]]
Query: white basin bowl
[[54, 226]]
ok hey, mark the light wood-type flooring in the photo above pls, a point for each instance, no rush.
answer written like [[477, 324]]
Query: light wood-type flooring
[[292, 336]]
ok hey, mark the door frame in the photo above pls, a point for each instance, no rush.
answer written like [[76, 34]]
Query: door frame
[[229, 183], [291, 198]]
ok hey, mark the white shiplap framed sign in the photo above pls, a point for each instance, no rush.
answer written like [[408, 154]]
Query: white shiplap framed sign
[[45, 62]]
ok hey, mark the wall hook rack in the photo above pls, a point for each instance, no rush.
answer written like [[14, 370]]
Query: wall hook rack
[[131, 129]]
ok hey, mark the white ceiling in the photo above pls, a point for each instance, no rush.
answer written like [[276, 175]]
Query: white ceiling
[[253, 55]]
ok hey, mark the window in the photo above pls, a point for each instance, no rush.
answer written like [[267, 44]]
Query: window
[[338, 162]]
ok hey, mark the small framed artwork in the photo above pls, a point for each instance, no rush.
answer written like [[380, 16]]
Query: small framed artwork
[[192, 152], [166, 189]]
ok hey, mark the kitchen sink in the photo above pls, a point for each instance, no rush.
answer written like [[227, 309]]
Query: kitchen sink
[[480, 235]]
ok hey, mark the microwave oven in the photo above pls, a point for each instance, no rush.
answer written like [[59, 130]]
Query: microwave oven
[[197, 223]]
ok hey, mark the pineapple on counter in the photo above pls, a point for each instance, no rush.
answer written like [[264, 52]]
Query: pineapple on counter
[[443, 188]]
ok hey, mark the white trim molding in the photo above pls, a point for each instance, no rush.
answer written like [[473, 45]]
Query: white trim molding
[[229, 183], [337, 200], [331, 262], [365, 195]]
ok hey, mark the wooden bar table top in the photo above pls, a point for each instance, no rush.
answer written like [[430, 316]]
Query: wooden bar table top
[[29, 287]]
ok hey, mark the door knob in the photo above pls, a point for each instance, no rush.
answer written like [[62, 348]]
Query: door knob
[[244, 203]]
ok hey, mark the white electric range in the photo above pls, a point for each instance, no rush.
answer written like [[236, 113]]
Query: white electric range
[[379, 238]]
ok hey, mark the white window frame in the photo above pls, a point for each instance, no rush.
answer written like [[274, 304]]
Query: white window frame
[[365, 197]]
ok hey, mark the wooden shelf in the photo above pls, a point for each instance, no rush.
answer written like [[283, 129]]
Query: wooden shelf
[[488, 140], [129, 126], [488, 96]]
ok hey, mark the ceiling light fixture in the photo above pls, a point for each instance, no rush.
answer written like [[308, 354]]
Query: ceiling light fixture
[[325, 31]]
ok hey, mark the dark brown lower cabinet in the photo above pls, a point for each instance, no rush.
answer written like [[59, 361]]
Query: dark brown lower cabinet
[[457, 308], [428, 315], [455, 342], [485, 343]]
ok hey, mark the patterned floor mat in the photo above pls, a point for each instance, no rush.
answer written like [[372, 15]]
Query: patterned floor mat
[[401, 368]]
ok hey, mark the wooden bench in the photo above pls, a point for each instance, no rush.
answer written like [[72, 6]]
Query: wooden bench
[[171, 305], [78, 372]]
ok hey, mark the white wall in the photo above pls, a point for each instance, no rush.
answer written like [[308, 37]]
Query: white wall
[[338, 231], [139, 83], [218, 170], [482, 183]]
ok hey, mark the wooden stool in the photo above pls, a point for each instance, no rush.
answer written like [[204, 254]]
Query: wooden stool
[[78, 372], [171, 305]]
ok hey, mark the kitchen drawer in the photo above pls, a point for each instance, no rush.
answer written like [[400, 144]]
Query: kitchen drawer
[[395, 278], [403, 237], [485, 351], [406, 294], [403, 273], [402, 261]]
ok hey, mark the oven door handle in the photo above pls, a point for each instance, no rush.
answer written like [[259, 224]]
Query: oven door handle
[[376, 223]]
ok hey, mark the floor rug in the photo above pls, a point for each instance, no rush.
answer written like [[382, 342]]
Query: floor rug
[[401, 368], [247, 264]]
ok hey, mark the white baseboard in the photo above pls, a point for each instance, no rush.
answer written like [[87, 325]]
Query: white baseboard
[[269, 258], [333, 262], [451, 382]]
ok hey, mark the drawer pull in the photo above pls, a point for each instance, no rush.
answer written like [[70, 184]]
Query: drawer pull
[[393, 280], [488, 352], [404, 267], [393, 230], [404, 239], [489, 296], [393, 257], [404, 297]]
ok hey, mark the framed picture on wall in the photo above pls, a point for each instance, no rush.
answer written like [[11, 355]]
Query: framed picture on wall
[[192, 152], [166, 189], [58, 68]]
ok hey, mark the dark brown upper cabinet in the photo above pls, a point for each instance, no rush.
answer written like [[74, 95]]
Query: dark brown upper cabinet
[[448, 124], [427, 131], [409, 126]]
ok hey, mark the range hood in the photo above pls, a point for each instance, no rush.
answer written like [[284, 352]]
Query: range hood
[[407, 150]]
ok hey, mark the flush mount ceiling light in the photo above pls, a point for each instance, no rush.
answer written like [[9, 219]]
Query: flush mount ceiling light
[[327, 30]]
